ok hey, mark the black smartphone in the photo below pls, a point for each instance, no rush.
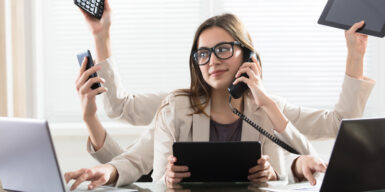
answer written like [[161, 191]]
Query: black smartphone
[[90, 63], [237, 90], [93, 7]]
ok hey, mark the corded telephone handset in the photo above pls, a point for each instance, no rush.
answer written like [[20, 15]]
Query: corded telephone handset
[[236, 92]]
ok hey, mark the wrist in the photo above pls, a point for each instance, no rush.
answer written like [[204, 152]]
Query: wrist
[[102, 48], [269, 104], [90, 118], [355, 56], [355, 65], [102, 37], [296, 168], [113, 174]]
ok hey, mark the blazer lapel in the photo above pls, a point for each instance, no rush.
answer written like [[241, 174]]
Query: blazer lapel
[[201, 125]]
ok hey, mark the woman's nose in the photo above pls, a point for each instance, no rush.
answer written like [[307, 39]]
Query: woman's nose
[[214, 60]]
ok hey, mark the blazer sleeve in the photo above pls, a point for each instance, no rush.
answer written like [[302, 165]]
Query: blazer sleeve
[[136, 160], [109, 150], [164, 139], [324, 124], [136, 109]]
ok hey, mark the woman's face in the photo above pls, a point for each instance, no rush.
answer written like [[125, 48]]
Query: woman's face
[[219, 73]]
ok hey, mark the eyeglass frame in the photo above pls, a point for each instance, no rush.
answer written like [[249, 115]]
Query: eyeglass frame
[[212, 50]]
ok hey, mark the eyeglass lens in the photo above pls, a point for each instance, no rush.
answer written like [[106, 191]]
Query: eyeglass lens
[[222, 51]]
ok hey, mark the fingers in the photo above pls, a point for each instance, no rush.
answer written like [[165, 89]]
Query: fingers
[[177, 168], [99, 182], [171, 159], [262, 172], [259, 174], [85, 88], [356, 26], [259, 67], [85, 75], [73, 175], [88, 174], [94, 92], [178, 175], [175, 173], [263, 164], [321, 167], [248, 65], [82, 68], [259, 167], [264, 158], [241, 79], [252, 74], [309, 175]]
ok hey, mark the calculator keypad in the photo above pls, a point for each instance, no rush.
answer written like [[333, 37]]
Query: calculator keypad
[[93, 7]]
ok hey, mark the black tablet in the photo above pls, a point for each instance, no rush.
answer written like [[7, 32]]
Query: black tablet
[[344, 13], [217, 161]]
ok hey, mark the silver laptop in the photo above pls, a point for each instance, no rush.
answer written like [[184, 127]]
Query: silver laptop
[[28, 160]]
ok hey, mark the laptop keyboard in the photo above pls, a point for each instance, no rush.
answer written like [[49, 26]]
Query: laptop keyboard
[[84, 187]]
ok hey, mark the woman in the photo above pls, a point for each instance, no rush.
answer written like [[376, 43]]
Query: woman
[[202, 113], [312, 122]]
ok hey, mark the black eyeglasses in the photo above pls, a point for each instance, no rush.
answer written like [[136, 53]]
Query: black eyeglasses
[[223, 50]]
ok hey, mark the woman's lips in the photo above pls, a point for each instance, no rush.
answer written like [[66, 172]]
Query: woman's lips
[[217, 73]]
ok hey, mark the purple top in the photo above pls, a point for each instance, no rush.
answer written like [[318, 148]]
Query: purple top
[[225, 132]]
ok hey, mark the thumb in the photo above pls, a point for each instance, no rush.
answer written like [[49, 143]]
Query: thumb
[[356, 26]]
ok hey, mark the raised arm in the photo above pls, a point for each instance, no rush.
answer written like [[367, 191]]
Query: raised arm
[[356, 88], [135, 109]]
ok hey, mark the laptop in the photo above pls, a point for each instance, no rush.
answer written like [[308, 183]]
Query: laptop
[[357, 162], [28, 160]]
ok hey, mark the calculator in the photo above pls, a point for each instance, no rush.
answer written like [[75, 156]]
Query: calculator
[[92, 7]]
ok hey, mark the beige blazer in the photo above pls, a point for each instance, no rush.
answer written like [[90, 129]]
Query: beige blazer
[[174, 123], [140, 109]]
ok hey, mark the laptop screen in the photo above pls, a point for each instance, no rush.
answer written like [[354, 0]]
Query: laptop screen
[[357, 162], [27, 157]]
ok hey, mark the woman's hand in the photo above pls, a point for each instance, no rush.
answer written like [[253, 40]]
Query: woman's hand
[[98, 175], [356, 44], [101, 31], [306, 165], [254, 82], [260, 96], [99, 28], [175, 173], [86, 94], [262, 172]]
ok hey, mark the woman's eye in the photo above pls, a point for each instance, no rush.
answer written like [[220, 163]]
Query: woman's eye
[[223, 49], [202, 55]]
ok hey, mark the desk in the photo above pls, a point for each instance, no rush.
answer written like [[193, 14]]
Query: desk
[[203, 187], [209, 187]]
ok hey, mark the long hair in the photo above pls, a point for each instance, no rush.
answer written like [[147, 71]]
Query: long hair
[[199, 92]]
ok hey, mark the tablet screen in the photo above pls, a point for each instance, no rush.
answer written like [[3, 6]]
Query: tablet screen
[[344, 13]]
